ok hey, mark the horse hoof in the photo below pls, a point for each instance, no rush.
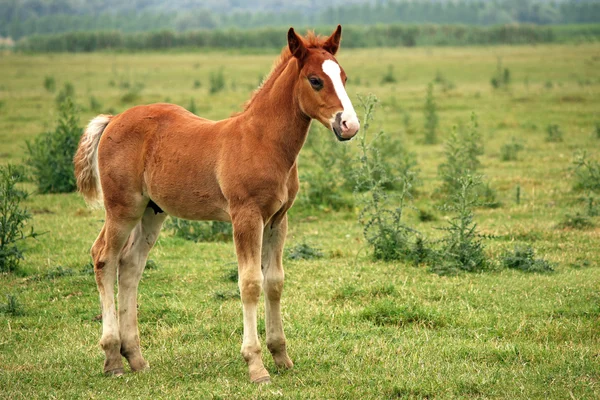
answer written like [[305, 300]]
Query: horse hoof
[[262, 379], [115, 372]]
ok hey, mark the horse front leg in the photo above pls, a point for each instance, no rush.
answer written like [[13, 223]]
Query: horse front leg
[[247, 233], [272, 265]]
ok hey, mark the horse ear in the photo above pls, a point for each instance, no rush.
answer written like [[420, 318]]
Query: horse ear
[[333, 43], [296, 45]]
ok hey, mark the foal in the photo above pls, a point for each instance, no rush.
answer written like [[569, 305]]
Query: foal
[[157, 160]]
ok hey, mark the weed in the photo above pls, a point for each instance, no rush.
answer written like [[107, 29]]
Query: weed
[[597, 130], [232, 275], [381, 217], [303, 251], [586, 172], [441, 79], [133, 93], [200, 231], [576, 221], [51, 153], [523, 259], [12, 307], [462, 247], [510, 151], [151, 264], [58, 272], [501, 78], [385, 312], [431, 117], [67, 92], [192, 107], [554, 134], [425, 215], [95, 105], [224, 295], [197, 84], [518, 194], [389, 77], [347, 292], [13, 218], [217, 81], [50, 84], [549, 85]]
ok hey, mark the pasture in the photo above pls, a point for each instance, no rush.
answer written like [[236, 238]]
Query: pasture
[[356, 328]]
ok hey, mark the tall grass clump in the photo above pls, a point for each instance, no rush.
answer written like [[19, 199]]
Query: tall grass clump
[[523, 258], [200, 231], [50, 155], [554, 134], [462, 247], [50, 83], [67, 91], [13, 218], [510, 151], [501, 77], [431, 117], [216, 81], [389, 76], [382, 212], [586, 173]]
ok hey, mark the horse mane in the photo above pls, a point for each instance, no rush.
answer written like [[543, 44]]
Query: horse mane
[[311, 41]]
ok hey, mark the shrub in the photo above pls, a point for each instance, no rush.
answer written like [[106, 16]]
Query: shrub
[[586, 172], [216, 81], [50, 84], [13, 218], [380, 215], [192, 107], [462, 247], [389, 76], [67, 92], [575, 221], [51, 153], [133, 93], [200, 231], [197, 84], [553, 133], [431, 117], [501, 78], [303, 251], [12, 307], [509, 151], [523, 259]]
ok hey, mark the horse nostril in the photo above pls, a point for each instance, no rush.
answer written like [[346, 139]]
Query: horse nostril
[[344, 126]]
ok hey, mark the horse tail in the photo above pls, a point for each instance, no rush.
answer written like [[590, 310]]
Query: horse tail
[[86, 161]]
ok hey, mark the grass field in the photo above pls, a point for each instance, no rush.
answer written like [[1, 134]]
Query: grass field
[[503, 334]]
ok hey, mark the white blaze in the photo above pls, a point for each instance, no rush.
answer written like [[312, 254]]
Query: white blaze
[[332, 69]]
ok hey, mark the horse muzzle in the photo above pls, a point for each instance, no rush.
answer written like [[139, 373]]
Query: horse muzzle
[[345, 126]]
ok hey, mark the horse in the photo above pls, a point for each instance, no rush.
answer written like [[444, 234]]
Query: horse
[[156, 160]]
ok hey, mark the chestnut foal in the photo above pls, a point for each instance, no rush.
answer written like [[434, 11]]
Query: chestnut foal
[[157, 160]]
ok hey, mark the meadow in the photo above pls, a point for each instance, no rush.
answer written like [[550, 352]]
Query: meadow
[[356, 328]]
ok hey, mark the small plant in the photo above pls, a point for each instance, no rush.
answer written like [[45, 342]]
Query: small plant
[[462, 248], [151, 264], [50, 84], [586, 173], [523, 259], [501, 78], [197, 84], [303, 251], [518, 194], [510, 151], [389, 76], [200, 231], [597, 130], [431, 117], [67, 92], [385, 312], [217, 81], [224, 295], [381, 217], [576, 221], [95, 105], [51, 153], [133, 92], [553, 133], [441, 79], [192, 107], [12, 307], [13, 218]]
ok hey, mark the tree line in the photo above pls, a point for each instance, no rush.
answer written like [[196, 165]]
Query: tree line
[[275, 38], [19, 18]]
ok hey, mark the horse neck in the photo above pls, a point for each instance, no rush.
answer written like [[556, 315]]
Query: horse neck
[[276, 109]]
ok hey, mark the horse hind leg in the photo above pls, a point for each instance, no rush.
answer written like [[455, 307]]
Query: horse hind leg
[[105, 254], [131, 266]]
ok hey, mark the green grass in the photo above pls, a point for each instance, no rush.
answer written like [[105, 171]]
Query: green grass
[[356, 328]]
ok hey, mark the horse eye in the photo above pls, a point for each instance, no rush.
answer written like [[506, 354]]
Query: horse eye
[[315, 82]]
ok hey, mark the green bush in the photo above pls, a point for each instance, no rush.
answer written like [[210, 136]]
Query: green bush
[[389, 77], [12, 307], [462, 247], [523, 259], [577, 221], [303, 251], [510, 151], [554, 134], [50, 84], [586, 172], [200, 231], [13, 218], [192, 107], [216, 81], [51, 153], [381, 214], [133, 93], [68, 91], [501, 78], [431, 117]]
